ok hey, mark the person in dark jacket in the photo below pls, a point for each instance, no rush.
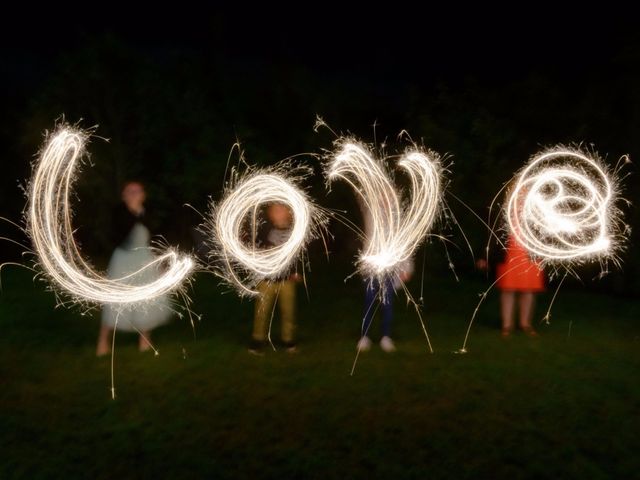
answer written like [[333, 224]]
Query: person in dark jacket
[[131, 235]]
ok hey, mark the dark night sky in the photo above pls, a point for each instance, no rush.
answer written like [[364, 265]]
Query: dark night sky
[[393, 43]]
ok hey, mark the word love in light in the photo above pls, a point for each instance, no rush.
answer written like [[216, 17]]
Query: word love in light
[[561, 209], [394, 231], [49, 216]]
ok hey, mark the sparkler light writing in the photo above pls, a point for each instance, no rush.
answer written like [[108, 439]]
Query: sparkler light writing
[[395, 232], [562, 207], [49, 217], [244, 265]]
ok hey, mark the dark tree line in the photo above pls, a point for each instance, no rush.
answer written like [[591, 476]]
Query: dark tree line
[[171, 116]]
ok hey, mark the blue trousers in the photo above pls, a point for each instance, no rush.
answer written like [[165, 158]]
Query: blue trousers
[[374, 293]]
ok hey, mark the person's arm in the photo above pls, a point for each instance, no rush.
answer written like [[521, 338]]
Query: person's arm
[[496, 254], [406, 269]]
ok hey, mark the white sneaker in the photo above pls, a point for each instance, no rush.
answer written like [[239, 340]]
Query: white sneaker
[[387, 344], [364, 344]]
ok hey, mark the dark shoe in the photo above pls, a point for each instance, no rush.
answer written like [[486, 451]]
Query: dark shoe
[[257, 348]]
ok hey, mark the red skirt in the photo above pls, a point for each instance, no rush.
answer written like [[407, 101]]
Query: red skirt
[[518, 273]]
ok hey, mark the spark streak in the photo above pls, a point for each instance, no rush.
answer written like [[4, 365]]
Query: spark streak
[[562, 208], [395, 232], [244, 265], [49, 217]]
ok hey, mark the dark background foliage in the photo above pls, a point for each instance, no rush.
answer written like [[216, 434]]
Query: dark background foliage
[[173, 90]]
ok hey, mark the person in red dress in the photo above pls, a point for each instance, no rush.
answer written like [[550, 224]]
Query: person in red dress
[[519, 276]]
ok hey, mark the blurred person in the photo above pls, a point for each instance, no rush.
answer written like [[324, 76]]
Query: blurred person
[[384, 292], [131, 236], [517, 276], [281, 290]]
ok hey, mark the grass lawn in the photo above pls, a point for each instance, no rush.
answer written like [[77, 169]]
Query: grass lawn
[[565, 405]]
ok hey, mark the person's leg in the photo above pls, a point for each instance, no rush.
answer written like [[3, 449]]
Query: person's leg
[[387, 317], [526, 312], [144, 342], [387, 308], [507, 301], [104, 341], [372, 294], [287, 303], [263, 311]]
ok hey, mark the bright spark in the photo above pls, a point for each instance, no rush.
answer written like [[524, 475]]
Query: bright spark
[[395, 231], [561, 208], [245, 264], [49, 225]]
